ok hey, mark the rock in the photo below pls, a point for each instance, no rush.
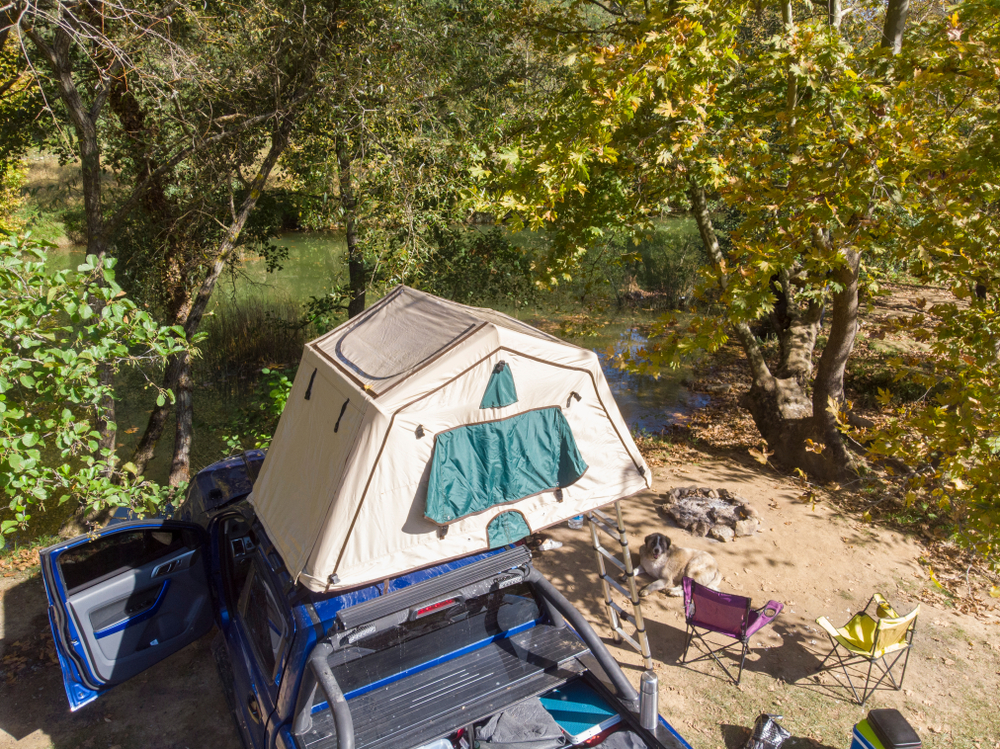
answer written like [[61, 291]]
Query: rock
[[722, 533], [746, 527], [703, 511]]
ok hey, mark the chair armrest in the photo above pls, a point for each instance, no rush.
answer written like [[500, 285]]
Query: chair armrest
[[770, 610], [829, 628], [763, 616]]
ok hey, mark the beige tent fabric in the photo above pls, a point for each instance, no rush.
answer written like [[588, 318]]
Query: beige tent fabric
[[342, 496]]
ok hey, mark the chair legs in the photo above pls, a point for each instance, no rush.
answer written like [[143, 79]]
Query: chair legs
[[713, 653], [869, 687]]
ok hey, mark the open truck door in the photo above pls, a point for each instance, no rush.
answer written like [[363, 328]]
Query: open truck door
[[123, 599]]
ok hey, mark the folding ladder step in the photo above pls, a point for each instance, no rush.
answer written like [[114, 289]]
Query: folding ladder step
[[611, 558], [623, 613], [611, 531], [631, 641], [617, 586]]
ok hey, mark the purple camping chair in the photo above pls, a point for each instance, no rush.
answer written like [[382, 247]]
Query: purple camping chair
[[724, 613]]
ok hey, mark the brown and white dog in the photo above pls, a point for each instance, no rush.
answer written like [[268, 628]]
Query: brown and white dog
[[667, 564]]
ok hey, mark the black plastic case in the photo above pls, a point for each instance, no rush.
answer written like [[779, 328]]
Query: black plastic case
[[892, 729]]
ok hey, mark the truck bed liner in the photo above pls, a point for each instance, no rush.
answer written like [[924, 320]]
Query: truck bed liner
[[416, 710]]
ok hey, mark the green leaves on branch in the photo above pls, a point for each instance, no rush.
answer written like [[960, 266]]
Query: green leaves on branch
[[63, 335]]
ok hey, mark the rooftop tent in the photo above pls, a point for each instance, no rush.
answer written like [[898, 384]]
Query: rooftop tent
[[424, 430]]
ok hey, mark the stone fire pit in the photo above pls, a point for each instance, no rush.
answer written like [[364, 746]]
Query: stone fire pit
[[717, 513]]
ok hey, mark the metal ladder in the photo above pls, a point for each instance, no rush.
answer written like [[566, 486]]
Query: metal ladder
[[615, 527]]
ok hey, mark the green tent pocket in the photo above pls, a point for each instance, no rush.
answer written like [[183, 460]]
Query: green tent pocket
[[506, 528], [500, 390]]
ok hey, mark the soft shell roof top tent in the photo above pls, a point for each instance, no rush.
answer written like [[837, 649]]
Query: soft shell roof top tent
[[424, 430]]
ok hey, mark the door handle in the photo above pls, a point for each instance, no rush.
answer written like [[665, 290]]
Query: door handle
[[253, 707]]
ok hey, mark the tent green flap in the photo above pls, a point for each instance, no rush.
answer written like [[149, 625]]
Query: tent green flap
[[506, 528], [500, 390], [479, 466]]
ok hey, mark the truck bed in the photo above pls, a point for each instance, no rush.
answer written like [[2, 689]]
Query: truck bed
[[421, 707]]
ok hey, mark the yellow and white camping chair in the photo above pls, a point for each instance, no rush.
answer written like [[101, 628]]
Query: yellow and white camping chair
[[881, 638]]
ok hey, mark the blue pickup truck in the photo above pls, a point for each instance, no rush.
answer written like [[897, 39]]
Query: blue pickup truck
[[433, 658]]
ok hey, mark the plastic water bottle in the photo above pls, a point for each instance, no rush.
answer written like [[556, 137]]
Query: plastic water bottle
[[576, 523]]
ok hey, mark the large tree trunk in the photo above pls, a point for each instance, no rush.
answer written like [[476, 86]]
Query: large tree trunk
[[355, 259], [58, 55], [782, 410], [796, 327]]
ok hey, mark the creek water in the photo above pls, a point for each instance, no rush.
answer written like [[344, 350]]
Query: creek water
[[314, 261]]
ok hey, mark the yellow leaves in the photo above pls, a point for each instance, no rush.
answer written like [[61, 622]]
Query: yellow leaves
[[884, 397], [960, 485], [762, 455], [995, 592], [665, 108], [814, 447], [930, 573]]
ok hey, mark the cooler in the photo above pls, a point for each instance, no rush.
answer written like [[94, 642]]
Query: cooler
[[580, 711]]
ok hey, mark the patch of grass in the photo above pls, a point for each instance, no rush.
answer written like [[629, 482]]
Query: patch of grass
[[248, 333], [45, 225]]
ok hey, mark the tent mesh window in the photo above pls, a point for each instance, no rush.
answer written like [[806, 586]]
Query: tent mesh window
[[479, 466]]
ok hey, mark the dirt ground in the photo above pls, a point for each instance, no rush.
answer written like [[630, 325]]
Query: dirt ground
[[818, 562], [812, 558]]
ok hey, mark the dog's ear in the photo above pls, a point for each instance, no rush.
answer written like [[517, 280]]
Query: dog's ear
[[649, 539], [667, 543]]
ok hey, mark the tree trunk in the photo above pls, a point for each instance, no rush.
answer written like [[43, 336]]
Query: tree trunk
[[157, 421], [355, 260], [177, 374], [835, 9], [781, 408], [796, 328], [895, 24], [180, 466]]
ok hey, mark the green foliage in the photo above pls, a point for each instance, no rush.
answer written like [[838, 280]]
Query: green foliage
[[60, 333], [481, 267], [257, 421], [20, 104], [824, 146]]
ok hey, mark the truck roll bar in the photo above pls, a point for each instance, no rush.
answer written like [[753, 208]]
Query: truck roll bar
[[626, 692], [323, 675]]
